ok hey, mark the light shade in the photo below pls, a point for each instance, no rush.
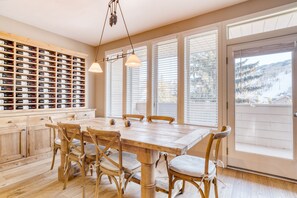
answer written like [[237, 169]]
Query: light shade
[[96, 68], [133, 61]]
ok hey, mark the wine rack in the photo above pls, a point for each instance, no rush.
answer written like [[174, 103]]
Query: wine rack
[[78, 82], [7, 74], [37, 77]]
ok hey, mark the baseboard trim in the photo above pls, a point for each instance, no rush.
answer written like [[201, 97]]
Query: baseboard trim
[[263, 174], [24, 161]]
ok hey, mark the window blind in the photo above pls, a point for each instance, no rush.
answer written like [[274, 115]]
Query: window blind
[[137, 85], [115, 87], [165, 64], [200, 97]]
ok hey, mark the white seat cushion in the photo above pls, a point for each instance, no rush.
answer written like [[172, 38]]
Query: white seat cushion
[[192, 166], [90, 150], [129, 161], [74, 141]]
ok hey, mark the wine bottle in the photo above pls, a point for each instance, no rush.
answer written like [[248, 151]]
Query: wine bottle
[[25, 47], [8, 107], [6, 56], [5, 42], [5, 62], [25, 53], [7, 94], [45, 52], [4, 75]]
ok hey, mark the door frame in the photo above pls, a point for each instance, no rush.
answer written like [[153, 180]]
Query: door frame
[[260, 163]]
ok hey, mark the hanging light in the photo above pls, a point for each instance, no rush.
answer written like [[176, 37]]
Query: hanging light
[[95, 68], [133, 60]]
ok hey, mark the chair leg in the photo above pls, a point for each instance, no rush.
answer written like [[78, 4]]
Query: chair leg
[[182, 190], [91, 169], [66, 175], [170, 187], [121, 190], [55, 150], [206, 188], [215, 182], [83, 174], [109, 178], [160, 155]]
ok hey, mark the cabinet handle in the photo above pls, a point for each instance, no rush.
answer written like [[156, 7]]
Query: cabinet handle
[[23, 130], [85, 114], [41, 118], [9, 121]]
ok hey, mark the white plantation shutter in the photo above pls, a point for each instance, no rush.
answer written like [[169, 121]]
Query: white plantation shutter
[[114, 87], [201, 87], [137, 85], [165, 78]]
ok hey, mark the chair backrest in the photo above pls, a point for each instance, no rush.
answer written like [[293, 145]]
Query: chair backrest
[[69, 132], [162, 118], [111, 139], [61, 118], [215, 136], [133, 116]]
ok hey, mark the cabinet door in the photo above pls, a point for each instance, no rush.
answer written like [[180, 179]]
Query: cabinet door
[[39, 136], [12, 139]]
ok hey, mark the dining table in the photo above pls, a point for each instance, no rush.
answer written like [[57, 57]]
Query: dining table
[[146, 140]]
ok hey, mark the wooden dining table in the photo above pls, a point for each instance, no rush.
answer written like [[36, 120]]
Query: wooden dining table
[[145, 140]]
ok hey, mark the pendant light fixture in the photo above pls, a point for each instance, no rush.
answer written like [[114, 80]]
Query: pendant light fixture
[[133, 60]]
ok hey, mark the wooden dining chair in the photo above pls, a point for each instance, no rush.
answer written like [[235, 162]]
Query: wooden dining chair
[[161, 118], [56, 144], [82, 154], [119, 164], [133, 116], [151, 118], [194, 169]]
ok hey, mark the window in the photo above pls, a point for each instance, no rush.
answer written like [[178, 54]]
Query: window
[[114, 87], [272, 22], [165, 64], [137, 85], [201, 97]]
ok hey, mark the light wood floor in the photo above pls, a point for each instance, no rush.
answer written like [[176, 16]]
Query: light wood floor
[[36, 180]]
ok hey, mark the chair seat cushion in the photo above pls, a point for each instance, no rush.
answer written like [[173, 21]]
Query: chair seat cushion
[[90, 150], [130, 162], [74, 141], [191, 166]]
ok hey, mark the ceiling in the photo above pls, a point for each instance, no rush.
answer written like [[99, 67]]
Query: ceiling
[[82, 20]]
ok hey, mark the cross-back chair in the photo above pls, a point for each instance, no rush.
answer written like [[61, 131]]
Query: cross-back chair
[[151, 118], [80, 154], [194, 169], [116, 165], [133, 116], [168, 119], [56, 140]]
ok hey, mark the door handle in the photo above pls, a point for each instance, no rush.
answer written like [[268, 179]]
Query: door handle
[[295, 114]]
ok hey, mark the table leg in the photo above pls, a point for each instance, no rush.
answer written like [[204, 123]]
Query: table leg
[[147, 158]]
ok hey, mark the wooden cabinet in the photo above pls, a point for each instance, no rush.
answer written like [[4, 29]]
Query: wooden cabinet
[[23, 135], [13, 136], [39, 137], [85, 115]]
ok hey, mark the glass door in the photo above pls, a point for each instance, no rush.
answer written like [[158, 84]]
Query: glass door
[[262, 106]]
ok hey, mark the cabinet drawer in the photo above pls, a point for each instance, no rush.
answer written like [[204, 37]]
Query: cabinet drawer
[[38, 120], [13, 121], [85, 115]]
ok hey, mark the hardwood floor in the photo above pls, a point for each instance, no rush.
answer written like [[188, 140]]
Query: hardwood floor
[[35, 180]]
